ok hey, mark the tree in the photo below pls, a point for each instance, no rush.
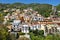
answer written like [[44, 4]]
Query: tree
[[1, 18], [3, 33], [58, 14], [58, 7]]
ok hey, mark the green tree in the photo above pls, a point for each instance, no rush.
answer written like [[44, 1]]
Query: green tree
[[3, 33]]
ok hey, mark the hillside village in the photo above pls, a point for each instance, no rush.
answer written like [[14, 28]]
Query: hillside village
[[28, 19], [23, 22]]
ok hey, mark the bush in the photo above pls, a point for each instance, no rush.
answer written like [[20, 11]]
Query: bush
[[38, 32], [39, 35]]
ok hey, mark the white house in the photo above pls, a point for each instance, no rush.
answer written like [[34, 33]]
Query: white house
[[25, 29], [36, 18], [6, 18], [15, 25]]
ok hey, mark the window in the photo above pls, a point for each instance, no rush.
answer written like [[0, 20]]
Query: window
[[39, 26], [55, 29], [39, 18], [52, 29], [14, 25], [25, 28], [49, 31], [46, 29], [35, 26]]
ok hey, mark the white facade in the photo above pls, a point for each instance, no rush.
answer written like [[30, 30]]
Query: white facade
[[25, 29], [34, 27], [35, 18], [40, 18], [15, 25], [16, 21]]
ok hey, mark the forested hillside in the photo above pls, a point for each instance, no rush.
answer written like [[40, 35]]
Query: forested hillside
[[43, 9]]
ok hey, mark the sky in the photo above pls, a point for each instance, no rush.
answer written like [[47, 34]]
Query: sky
[[52, 2]]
